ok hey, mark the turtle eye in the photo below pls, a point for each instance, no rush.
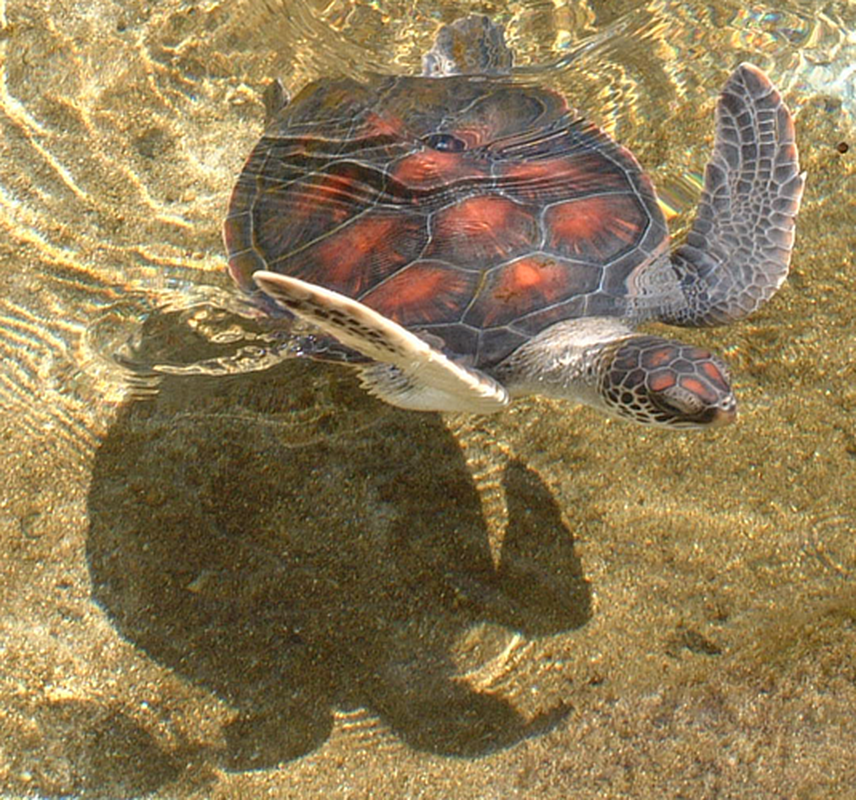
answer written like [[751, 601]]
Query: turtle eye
[[445, 143]]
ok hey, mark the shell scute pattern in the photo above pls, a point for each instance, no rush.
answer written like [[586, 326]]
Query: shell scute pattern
[[532, 282], [425, 288], [519, 216], [482, 231], [361, 254]]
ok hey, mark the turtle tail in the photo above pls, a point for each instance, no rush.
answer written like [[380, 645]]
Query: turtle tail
[[737, 253], [468, 46]]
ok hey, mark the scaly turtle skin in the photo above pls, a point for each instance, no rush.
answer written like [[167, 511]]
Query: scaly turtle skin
[[470, 239]]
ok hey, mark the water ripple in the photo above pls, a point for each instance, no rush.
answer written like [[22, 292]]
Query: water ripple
[[123, 129]]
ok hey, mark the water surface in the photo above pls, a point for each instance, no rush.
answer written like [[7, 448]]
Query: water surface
[[226, 572]]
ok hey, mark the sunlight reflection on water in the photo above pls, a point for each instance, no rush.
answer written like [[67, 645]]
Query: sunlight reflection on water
[[124, 127]]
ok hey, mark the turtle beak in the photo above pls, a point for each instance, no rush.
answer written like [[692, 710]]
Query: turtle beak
[[725, 414]]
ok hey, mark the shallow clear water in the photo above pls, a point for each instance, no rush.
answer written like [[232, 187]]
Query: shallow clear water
[[227, 572]]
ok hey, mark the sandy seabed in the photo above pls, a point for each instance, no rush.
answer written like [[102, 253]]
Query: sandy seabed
[[271, 585]]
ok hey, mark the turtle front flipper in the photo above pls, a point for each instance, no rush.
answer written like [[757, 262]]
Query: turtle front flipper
[[737, 253], [409, 373]]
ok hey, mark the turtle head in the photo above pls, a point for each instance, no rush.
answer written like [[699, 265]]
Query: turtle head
[[656, 381]]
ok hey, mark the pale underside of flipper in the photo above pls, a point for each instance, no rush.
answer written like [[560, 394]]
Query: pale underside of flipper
[[407, 371], [738, 251]]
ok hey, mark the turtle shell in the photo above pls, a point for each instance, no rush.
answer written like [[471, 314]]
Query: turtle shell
[[473, 210]]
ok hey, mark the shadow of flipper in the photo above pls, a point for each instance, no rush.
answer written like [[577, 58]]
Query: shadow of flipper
[[539, 571]]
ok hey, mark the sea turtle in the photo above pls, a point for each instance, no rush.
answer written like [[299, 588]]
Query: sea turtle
[[468, 238]]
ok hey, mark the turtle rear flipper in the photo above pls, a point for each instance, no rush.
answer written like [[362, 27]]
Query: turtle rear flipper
[[275, 98], [468, 46], [737, 253], [409, 372]]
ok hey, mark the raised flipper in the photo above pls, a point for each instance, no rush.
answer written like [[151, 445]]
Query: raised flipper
[[408, 372], [737, 253]]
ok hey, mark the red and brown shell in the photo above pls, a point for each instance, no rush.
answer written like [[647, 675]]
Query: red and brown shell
[[473, 209]]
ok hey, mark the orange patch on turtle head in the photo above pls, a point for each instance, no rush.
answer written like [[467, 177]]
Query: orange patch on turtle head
[[651, 359], [715, 375], [699, 389], [661, 381]]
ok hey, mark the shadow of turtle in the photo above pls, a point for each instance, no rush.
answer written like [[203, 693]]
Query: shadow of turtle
[[296, 561]]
